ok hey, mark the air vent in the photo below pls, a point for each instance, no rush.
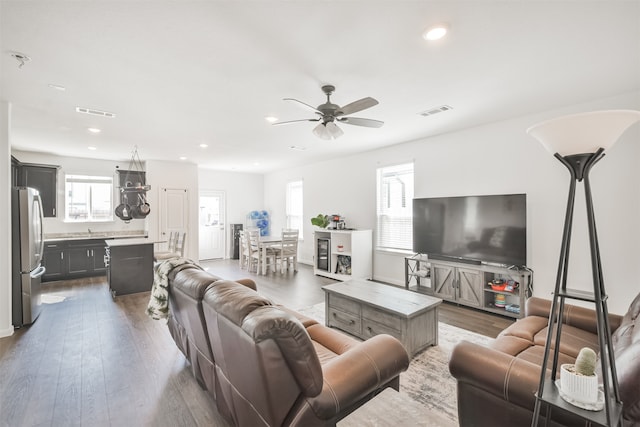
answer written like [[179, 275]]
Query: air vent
[[432, 111], [93, 112]]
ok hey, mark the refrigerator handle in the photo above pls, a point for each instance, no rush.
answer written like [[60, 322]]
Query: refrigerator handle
[[41, 249], [39, 272]]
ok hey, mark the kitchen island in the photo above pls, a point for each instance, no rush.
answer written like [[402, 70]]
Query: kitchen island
[[129, 265]]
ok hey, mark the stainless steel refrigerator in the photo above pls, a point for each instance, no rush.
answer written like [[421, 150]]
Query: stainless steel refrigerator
[[27, 246]]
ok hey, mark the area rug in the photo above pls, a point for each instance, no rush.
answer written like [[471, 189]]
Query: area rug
[[427, 381]]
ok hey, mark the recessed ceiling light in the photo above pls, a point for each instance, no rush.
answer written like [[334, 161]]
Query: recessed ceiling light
[[271, 119], [92, 148], [204, 145], [436, 32], [256, 163], [57, 87], [183, 158], [94, 130]]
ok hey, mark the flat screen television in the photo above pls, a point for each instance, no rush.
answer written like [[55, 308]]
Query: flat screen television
[[474, 229]]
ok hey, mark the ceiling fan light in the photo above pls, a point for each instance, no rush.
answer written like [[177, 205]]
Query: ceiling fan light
[[321, 132], [334, 131]]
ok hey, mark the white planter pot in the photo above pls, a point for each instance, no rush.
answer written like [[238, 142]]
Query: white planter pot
[[578, 387]]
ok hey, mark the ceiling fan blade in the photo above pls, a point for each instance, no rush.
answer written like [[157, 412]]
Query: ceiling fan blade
[[357, 121], [359, 105], [295, 121], [314, 109]]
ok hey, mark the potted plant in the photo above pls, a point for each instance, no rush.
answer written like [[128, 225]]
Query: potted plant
[[579, 381], [321, 221]]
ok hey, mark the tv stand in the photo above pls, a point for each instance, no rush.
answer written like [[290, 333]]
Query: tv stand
[[469, 284]]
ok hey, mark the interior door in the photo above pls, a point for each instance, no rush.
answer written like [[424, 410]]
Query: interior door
[[174, 213], [211, 224]]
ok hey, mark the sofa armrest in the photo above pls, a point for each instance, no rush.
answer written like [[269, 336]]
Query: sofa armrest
[[249, 283], [580, 317], [359, 371], [507, 377]]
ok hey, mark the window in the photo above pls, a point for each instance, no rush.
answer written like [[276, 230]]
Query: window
[[294, 206], [88, 198], [395, 207]]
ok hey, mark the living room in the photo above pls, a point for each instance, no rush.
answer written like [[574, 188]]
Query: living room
[[477, 156]]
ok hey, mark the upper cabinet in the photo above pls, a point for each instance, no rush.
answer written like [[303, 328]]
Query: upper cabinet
[[43, 178]]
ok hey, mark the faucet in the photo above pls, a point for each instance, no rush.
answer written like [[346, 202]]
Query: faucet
[[89, 231]]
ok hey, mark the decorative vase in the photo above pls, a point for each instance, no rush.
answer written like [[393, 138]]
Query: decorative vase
[[582, 388]]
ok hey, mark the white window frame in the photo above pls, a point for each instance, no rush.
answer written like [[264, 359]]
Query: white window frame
[[294, 208], [394, 207], [88, 180]]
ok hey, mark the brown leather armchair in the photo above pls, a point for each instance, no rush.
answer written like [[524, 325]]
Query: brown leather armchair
[[496, 384]]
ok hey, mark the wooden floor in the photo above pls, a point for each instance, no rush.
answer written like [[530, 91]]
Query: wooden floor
[[92, 361]]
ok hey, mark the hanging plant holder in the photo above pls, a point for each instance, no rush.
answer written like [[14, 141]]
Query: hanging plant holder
[[133, 184]]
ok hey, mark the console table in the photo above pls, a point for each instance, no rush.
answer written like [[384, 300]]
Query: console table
[[364, 308]]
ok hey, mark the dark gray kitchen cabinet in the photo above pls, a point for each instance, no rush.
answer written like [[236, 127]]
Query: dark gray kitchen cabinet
[[53, 260], [129, 266], [71, 259], [43, 178]]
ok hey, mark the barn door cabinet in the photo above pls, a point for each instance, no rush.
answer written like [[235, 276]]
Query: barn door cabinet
[[473, 285]]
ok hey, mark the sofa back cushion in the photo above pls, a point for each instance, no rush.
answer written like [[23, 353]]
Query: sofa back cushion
[[264, 357], [626, 348]]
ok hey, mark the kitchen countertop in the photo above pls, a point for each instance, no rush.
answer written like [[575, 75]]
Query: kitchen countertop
[[107, 235], [130, 242]]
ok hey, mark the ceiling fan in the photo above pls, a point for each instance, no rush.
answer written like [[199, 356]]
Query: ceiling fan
[[329, 113]]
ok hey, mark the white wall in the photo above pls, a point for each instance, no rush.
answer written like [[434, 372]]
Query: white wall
[[173, 175], [493, 159], [6, 327], [243, 193]]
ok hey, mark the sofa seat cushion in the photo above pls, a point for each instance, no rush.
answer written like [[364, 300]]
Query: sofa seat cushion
[[573, 339], [525, 328], [533, 329], [535, 353]]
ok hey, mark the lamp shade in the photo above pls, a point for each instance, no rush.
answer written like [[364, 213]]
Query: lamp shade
[[583, 133]]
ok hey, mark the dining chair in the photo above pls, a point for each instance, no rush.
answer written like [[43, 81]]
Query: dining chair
[[287, 250], [175, 247], [243, 252], [258, 253], [171, 248]]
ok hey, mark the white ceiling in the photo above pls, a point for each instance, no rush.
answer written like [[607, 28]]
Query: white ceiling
[[181, 73]]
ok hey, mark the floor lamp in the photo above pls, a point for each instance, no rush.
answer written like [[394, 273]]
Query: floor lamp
[[579, 141]]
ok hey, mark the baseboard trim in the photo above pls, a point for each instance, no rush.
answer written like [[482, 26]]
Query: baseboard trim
[[6, 332]]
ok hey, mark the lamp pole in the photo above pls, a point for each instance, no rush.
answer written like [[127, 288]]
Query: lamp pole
[[578, 142]]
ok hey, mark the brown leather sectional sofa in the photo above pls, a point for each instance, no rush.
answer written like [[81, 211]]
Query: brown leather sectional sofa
[[266, 365], [496, 384]]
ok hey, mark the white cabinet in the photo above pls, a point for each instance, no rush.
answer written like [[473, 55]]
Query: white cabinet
[[343, 254]]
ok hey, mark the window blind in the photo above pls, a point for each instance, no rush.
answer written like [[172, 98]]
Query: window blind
[[294, 206], [395, 207]]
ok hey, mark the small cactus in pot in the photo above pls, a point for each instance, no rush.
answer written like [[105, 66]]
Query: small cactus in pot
[[586, 362], [579, 381]]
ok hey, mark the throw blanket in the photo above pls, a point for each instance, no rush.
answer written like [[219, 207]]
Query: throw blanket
[[158, 307]]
